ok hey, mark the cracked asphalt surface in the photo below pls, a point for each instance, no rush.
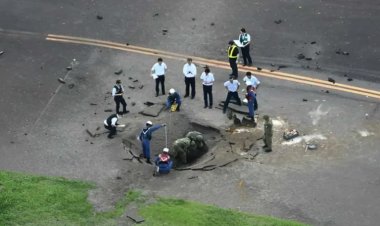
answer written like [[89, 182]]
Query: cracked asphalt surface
[[43, 122]]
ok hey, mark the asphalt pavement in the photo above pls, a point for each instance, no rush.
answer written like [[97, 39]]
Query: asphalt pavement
[[43, 121]]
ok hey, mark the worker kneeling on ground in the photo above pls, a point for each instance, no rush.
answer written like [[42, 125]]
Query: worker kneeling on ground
[[163, 162], [174, 100]]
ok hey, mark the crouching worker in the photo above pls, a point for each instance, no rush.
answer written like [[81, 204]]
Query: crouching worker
[[163, 162], [111, 124], [174, 101]]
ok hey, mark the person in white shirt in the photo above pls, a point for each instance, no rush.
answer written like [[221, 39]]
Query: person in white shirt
[[232, 86], [111, 124], [245, 40], [249, 78], [159, 69], [189, 71], [207, 80]]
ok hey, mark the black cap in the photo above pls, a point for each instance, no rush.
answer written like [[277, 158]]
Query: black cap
[[248, 73], [242, 30], [118, 81]]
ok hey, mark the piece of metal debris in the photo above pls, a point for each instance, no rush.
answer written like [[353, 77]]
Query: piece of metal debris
[[61, 80], [2, 52], [99, 17], [69, 68], [118, 72], [108, 110]]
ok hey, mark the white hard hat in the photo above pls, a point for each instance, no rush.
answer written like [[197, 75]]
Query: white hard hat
[[248, 83], [166, 150], [149, 123], [171, 91]]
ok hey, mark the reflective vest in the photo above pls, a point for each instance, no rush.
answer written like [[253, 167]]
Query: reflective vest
[[243, 38], [118, 88], [231, 51]]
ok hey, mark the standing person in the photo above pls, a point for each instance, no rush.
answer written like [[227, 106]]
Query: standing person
[[268, 133], [190, 71], [251, 96], [254, 82], [233, 53], [145, 137], [232, 86], [207, 80], [173, 98], [245, 40], [117, 93], [111, 124], [159, 69]]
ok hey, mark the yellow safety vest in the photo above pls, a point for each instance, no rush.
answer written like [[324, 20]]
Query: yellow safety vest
[[230, 51]]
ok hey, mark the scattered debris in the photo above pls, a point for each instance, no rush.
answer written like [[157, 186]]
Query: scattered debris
[[331, 80], [131, 87], [141, 86], [290, 134], [212, 24], [2, 52], [300, 56], [136, 80], [311, 147], [26, 134], [69, 68], [93, 104], [164, 30], [306, 138], [148, 103], [259, 68], [365, 133], [127, 44], [71, 85], [118, 178], [156, 14], [308, 58], [108, 110], [281, 66], [318, 53], [278, 21], [327, 91], [304, 100], [118, 72], [61, 80], [89, 133], [313, 42], [133, 103], [340, 52], [192, 177], [99, 17], [349, 79], [133, 216], [130, 78], [193, 19], [237, 121], [366, 115], [272, 64]]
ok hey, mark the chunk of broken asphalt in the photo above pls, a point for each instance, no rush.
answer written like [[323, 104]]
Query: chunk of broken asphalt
[[133, 103], [349, 79], [131, 87], [331, 80], [164, 30], [339, 51], [108, 110], [304, 99], [93, 104], [130, 78], [61, 80], [212, 24], [156, 14], [69, 68], [99, 17], [141, 86], [193, 19], [149, 103], [313, 42], [281, 66], [278, 21], [136, 80], [308, 58], [259, 68], [300, 56], [118, 72], [1, 53]]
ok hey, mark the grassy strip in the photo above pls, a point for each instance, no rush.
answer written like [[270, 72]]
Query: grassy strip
[[186, 213], [33, 200]]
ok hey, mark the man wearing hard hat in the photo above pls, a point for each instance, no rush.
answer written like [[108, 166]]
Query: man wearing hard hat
[[146, 136], [174, 99], [163, 162]]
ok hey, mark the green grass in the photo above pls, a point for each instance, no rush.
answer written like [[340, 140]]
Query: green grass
[[34, 200], [186, 213]]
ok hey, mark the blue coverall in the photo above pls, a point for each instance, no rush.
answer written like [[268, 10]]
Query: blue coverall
[[145, 137]]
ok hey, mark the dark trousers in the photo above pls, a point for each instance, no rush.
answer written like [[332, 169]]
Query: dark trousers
[[207, 91], [234, 67], [230, 95], [190, 82], [120, 100], [112, 131], [246, 56], [160, 79]]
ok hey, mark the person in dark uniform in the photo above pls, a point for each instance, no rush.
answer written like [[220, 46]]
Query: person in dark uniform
[[117, 93], [233, 52], [111, 124], [268, 133], [245, 40], [145, 137]]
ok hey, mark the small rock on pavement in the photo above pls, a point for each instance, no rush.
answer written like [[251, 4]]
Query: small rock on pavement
[[141, 86], [304, 99], [99, 17], [349, 79], [108, 110], [69, 68], [118, 72], [278, 21], [131, 87], [313, 42], [61, 80], [2, 52], [133, 103], [212, 24], [300, 56], [331, 80], [156, 14]]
